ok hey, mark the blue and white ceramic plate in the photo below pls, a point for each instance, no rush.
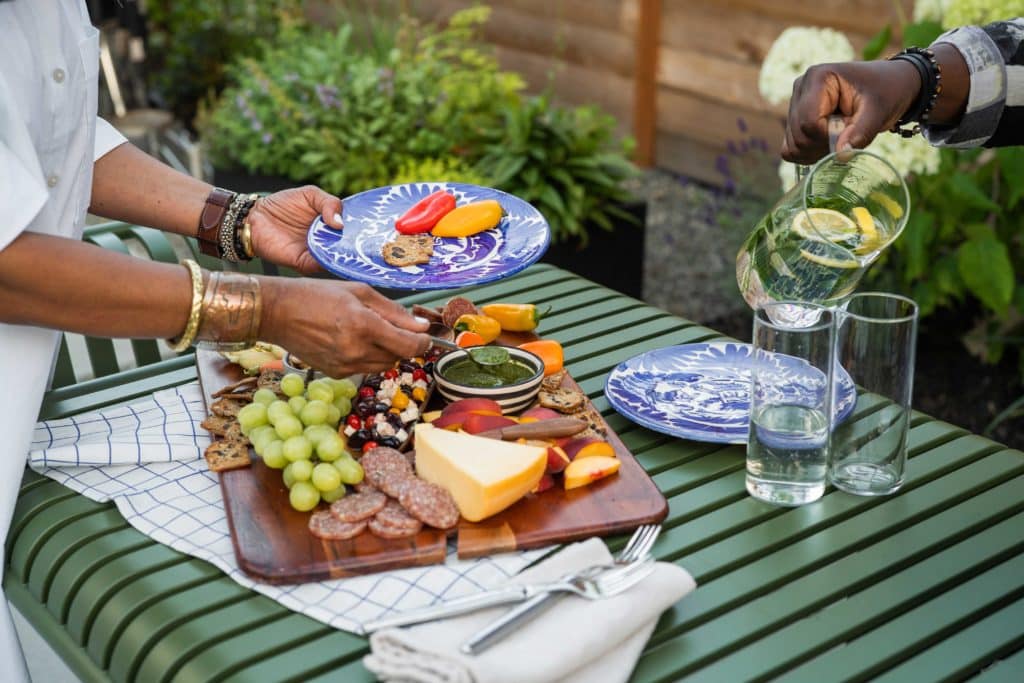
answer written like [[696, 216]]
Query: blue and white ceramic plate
[[702, 391], [519, 240]]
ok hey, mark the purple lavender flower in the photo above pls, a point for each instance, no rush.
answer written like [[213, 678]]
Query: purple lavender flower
[[722, 165], [328, 96], [266, 138], [255, 125], [741, 123], [290, 77]]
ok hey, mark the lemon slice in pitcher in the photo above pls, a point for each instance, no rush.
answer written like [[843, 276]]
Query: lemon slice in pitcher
[[828, 261], [826, 225], [869, 238]]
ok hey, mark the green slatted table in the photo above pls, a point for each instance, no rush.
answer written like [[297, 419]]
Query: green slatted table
[[925, 585]]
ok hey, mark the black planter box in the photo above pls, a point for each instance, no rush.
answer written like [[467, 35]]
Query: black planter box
[[238, 180], [614, 259]]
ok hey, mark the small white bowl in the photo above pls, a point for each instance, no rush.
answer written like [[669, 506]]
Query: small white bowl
[[512, 398]]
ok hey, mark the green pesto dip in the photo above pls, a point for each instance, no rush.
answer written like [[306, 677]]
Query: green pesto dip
[[465, 371]]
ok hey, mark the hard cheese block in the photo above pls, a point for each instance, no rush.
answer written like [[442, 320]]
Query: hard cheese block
[[484, 476]]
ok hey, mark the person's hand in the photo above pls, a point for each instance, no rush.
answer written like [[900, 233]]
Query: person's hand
[[339, 328], [280, 222], [870, 96]]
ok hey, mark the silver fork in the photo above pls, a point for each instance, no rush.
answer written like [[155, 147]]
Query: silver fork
[[637, 549], [594, 586]]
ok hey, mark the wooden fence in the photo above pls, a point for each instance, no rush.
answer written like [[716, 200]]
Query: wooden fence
[[677, 74]]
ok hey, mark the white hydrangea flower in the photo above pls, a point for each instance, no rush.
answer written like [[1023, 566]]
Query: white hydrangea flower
[[980, 12], [907, 155], [793, 52], [930, 10]]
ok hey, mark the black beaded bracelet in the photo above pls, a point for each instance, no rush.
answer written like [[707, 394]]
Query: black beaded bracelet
[[230, 245], [930, 71]]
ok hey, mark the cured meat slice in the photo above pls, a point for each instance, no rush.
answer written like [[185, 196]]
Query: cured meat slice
[[430, 504], [393, 532], [381, 463], [395, 515], [323, 524], [456, 307], [357, 507], [430, 314], [392, 483]]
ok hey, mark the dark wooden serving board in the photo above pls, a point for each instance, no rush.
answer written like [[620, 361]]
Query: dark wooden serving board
[[272, 543]]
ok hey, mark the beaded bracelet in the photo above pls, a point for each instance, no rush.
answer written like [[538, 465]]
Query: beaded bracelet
[[188, 336], [930, 71], [229, 237]]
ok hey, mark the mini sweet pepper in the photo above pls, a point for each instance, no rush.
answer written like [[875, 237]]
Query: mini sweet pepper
[[487, 327], [515, 317], [469, 219]]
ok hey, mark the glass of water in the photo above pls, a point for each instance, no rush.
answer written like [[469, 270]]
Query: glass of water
[[876, 339], [791, 379]]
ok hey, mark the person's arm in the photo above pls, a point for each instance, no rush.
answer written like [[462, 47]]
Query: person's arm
[[131, 186], [992, 112], [979, 103], [337, 327]]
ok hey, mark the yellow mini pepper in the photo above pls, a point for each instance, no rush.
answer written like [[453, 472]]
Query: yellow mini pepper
[[515, 317], [469, 219], [488, 328]]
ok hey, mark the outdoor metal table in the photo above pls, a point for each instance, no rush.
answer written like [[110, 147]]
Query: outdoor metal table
[[924, 585]]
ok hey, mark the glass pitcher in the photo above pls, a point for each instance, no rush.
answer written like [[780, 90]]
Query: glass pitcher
[[820, 237]]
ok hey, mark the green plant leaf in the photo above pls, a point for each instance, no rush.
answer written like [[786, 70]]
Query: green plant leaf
[[967, 189], [984, 264], [1011, 162], [921, 33], [877, 43]]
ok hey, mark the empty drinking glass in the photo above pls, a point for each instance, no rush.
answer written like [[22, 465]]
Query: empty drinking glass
[[790, 402], [876, 336]]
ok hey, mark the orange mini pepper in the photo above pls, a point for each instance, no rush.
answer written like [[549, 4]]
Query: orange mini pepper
[[515, 317], [549, 351]]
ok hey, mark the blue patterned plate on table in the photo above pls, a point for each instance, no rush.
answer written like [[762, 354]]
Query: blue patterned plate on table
[[354, 253], [702, 391]]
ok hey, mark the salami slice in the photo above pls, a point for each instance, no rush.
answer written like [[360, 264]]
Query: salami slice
[[392, 483], [392, 532], [365, 487], [382, 462], [395, 515], [456, 307], [358, 506], [325, 525], [430, 504]]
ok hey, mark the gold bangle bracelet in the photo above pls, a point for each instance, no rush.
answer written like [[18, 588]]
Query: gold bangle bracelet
[[232, 307], [195, 311], [247, 240]]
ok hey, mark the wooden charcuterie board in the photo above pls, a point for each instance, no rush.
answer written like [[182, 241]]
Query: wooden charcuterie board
[[272, 542]]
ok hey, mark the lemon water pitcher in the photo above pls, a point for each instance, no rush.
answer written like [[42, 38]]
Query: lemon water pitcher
[[820, 237]]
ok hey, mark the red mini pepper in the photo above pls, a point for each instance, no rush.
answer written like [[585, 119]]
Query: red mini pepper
[[425, 213]]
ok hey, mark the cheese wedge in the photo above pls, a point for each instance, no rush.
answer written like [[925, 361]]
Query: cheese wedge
[[483, 475]]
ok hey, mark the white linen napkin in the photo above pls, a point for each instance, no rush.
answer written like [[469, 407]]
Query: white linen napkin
[[576, 640]]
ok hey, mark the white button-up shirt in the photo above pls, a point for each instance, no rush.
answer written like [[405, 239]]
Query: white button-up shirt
[[49, 139]]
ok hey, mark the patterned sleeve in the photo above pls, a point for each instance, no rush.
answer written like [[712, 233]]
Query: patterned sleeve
[[995, 107]]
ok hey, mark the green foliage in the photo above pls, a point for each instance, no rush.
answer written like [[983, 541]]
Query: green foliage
[[414, 102], [874, 47], [191, 41], [566, 162]]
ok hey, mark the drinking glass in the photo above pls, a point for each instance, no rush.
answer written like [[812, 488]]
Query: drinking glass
[[820, 237], [790, 401], [876, 338]]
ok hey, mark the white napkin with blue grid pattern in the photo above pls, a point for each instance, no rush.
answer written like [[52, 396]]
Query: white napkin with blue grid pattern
[[148, 459]]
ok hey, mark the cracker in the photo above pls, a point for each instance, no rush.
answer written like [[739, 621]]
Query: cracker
[[562, 400], [245, 385], [408, 250], [226, 407], [227, 455], [553, 381], [270, 379], [217, 424]]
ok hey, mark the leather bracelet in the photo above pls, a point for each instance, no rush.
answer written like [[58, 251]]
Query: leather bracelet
[[930, 71], [231, 311], [208, 233], [231, 246], [188, 336]]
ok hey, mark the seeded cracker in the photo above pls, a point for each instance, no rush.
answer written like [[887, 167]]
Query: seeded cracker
[[226, 407], [227, 455], [408, 250], [270, 379], [562, 400], [552, 382], [217, 424]]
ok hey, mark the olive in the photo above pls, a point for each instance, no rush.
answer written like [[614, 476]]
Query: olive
[[373, 381], [408, 366], [365, 409], [380, 407], [429, 367], [395, 420], [358, 438], [390, 442]]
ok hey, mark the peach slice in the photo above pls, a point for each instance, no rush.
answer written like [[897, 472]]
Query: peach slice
[[546, 482], [539, 413], [466, 405], [586, 470], [452, 421], [430, 415], [588, 447], [476, 423], [557, 460]]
